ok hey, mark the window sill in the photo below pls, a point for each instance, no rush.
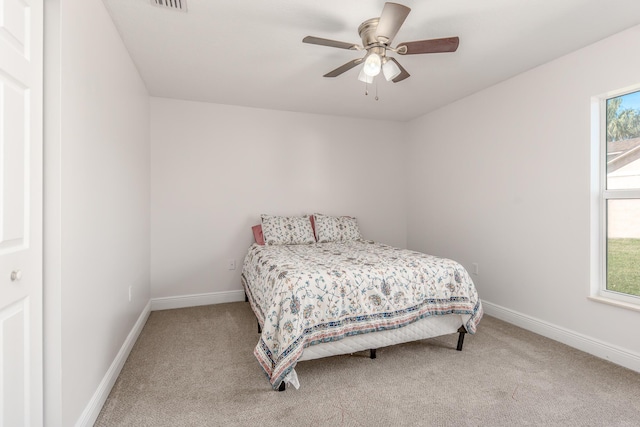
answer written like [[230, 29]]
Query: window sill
[[615, 303]]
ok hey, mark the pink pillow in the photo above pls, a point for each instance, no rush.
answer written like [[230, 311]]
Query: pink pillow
[[313, 227], [257, 234]]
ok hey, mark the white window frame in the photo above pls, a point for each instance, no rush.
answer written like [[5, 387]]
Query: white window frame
[[599, 197]]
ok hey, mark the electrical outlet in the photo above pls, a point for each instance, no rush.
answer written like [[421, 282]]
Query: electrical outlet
[[232, 264], [130, 293], [476, 268]]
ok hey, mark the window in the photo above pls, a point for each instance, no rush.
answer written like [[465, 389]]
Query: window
[[619, 198]]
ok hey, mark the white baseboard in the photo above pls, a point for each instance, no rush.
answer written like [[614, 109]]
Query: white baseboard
[[573, 339], [182, 301], [91, 412]]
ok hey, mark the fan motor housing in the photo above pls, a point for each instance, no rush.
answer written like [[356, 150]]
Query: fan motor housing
[[367, 32]]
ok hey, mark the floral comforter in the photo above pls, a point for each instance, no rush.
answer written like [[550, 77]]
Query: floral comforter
[[308, 294]]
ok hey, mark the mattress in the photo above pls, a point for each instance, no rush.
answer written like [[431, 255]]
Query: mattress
[[313, 299]]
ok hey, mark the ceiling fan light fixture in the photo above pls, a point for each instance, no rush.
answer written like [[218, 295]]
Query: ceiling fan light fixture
[[364, 77], [376, 35], [372, 65], [390, 70]]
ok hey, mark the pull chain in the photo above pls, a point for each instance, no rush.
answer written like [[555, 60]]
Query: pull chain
[[366, 90]]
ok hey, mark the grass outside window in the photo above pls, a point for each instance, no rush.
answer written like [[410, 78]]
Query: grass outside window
[[623, 265]]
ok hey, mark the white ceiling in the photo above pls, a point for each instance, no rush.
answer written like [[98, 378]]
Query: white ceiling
[[250, 52]]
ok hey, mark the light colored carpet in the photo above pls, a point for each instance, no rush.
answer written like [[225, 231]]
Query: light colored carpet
[[195, 367]]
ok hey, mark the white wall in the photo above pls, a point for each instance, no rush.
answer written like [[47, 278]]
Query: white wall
[[216, 168], [502, 178], [96, 202]]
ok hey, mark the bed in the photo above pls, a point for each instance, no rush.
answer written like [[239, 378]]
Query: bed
[[336, 293]]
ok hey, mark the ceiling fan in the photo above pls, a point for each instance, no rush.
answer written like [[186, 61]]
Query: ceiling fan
[[377, 35]]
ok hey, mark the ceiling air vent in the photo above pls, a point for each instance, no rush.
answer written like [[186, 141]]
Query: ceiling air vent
[[178, 5]]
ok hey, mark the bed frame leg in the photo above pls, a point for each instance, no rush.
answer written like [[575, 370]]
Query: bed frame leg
[[372, 353], [461, 331], [282, 387], [259, 328], [246, 297]]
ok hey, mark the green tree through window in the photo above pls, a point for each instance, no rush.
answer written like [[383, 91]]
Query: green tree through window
[[621, 123]]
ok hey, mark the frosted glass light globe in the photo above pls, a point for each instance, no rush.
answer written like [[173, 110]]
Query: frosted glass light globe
[[372, 65], [363, 77], [390, 70]]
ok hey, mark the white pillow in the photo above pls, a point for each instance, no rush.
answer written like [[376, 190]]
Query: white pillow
[[336, 228], [287, 230]]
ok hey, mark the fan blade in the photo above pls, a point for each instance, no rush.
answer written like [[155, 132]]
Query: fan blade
[[346, 67], [449, 44], [392, 18], [403, 73], [330, 43]]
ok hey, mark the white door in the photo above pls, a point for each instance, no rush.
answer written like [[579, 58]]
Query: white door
[[21, 40]]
